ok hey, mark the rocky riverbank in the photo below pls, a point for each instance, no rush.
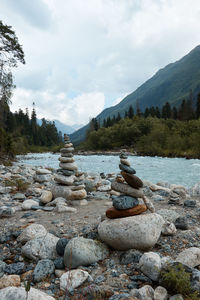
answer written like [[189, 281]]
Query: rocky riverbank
[[39, 231]]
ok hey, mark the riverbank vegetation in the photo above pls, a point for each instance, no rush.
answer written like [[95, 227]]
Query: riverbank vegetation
[[167, 132]]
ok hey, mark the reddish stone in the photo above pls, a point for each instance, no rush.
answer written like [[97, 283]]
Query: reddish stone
[[113, 213], [132, 180]]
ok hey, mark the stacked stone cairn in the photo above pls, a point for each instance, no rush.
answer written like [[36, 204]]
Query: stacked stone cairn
[[129, 199], [69, 182]]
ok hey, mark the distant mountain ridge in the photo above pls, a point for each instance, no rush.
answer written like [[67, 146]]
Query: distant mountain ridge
[[63, 127], [170, 84]]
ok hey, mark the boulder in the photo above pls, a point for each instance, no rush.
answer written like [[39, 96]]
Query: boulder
[[73, 279], [139, 232], [83, 252], [189, 257], [150, 265], [31, 232], [113, 213], [13, 293], [126, 189], [41, 248]]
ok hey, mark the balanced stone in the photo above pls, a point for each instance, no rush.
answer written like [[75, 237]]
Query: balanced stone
[[125, 162], [127, 169], [124, 202], [132, 180], [126, 189], [113, 213], [123, 155], [66, 180], [67, 150], [68, 166], [67, 155], [66, 159], [68, 145], [66, 172]]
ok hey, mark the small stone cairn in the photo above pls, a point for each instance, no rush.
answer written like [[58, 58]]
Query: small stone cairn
[[69, 182], [128, 191]]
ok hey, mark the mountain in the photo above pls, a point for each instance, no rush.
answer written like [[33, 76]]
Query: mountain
[[63, 127], [172, 83]]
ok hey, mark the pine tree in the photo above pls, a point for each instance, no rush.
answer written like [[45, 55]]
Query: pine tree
[[130, 112], [198, 107]]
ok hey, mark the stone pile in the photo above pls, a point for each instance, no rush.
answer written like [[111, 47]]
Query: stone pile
[[69, 182], [127, 203]]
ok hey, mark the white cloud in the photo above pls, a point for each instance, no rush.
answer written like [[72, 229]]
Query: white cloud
[[77, 110], [95, 48]]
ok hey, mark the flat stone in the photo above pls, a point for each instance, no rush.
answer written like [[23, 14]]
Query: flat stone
[[73, 279], [60, 207], [126, 189], [66, 159], [83, 252], [66, 172], [68, 145], [64, 154], [113, 213], [127, 169], [132, 180], [42, 178], [139, 232], [68, 166], [124, 202], [43, 171], [125, 162], [67, 150], [66, 180]]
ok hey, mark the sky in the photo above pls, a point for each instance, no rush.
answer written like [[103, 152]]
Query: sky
[[85, 55]]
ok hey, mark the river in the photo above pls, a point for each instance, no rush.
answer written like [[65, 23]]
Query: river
[[173, 170]]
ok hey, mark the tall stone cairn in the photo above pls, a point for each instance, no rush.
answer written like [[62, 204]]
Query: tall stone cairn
[[129, 189], [69, 182]]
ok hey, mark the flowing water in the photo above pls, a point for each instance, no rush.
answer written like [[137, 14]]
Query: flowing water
[[173, 170]]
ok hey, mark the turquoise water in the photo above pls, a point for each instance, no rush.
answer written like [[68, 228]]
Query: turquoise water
[[155, 169]]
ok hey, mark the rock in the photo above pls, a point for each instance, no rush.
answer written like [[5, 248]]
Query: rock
[[6, 211], [104, 188], [189, 257], [158, 198], [168, 229], [66, 180], [60, 246], [181, 223], [9, 280], [148, 204], [132, 180], [160, 293], [19, 196], [176, 297], [126, 189], [123, 296], [68, 166], [2, 268], [77, 195], [60, 207], [31, 232], [80, 202], [131, 256], [138, 232], [42, 178], [150, 265], [73, 279], [13, 293], [46, 197], [144, 293], [124, 202], [195, 190], [125, 162], [113, 213], [59, 273], [190, 203], [27, 204], [127, 169], [41, 248], [66, 172], [83, 252], [61, 191], [155, 187], [59, 263], [43, 171], [168, 214], [66, 159], [67, 154], [44, 268], [15, 268], [67, 150]]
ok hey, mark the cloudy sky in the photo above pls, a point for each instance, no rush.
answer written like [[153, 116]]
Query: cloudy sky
[[85, 55]]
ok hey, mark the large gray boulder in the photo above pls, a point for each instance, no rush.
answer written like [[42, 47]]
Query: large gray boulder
[[13, 293], [83, 252], [41, 248], [137, 232], [31, 232]]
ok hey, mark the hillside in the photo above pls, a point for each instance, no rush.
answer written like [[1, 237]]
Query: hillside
[[173, 83]]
